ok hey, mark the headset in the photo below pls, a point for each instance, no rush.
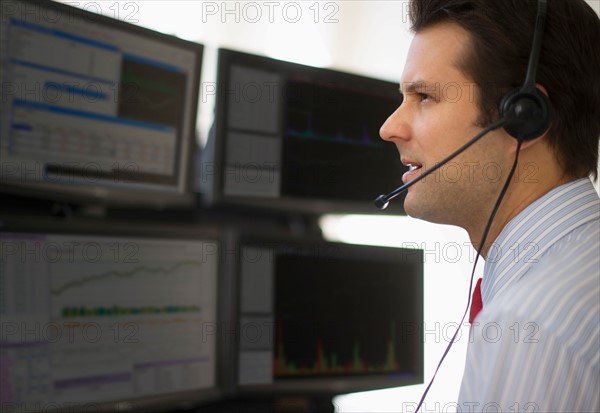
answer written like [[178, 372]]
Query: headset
[[525, 114], [528, 111]]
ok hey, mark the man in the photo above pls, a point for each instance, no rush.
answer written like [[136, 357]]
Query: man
[[536, 343]]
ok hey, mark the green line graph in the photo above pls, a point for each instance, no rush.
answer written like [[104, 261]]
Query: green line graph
[[143, 269], [83, 311]]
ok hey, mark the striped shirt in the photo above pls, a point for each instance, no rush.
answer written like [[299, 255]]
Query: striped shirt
[[535, 346]]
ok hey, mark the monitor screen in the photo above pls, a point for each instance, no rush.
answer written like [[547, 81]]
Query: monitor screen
[[104, 321], [295, 137], [318, 317], [94, 109]]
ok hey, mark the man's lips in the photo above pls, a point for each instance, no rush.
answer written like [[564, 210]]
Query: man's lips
[[414, 169]]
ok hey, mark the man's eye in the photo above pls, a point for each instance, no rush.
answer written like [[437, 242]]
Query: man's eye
[[424, 97]]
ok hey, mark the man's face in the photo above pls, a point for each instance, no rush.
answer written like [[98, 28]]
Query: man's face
[[438, 115]]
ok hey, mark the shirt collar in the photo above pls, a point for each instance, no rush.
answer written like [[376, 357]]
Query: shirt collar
[[534, 230]]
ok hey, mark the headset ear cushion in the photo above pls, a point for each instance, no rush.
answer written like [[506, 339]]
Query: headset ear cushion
[[528, 114]]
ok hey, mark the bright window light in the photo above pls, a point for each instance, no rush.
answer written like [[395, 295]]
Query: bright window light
[[299, 43]]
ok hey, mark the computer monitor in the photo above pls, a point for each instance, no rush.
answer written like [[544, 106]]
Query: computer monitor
[[328, 318], [95, 110], [297, 138], [107, 317]]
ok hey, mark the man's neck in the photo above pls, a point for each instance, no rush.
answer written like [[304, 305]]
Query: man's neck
[[516, 200]]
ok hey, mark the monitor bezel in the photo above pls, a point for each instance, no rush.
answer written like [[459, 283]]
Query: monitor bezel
[[180, 195], [335, 385], [185, 399], [227, 58]]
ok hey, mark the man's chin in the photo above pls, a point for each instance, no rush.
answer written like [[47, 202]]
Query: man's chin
[[414, 210], [426, 210]]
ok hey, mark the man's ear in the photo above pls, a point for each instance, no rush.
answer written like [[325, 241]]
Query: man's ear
[[530, 142]]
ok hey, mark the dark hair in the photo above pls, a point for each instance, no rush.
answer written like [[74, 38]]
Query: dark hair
[[501, 37]]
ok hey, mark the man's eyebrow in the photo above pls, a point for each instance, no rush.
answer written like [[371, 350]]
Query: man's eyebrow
[[413, 87]]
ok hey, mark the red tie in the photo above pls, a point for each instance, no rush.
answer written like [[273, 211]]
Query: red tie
[[476, 303]]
